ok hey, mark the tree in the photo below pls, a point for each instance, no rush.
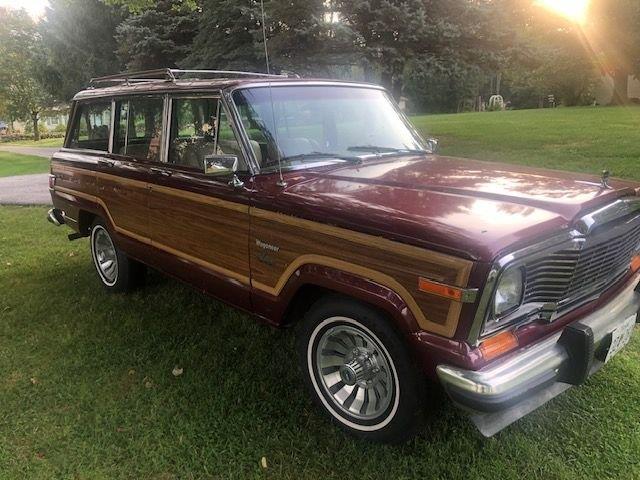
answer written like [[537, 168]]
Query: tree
[[79, 43], [226, 37], [551, 60], [139, 6], [23, 96], [613, 33], [300, 38], [408, 39], [157, 37], [387, 34]]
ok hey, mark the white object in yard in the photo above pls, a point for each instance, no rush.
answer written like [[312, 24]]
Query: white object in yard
[[496, 101]]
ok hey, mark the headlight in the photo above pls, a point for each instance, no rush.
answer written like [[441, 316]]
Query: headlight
[[508, 296]]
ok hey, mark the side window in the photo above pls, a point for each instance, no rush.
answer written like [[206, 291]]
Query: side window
[[192, 136], [195, 133], [228, 143], [139, 128], [91, 126]]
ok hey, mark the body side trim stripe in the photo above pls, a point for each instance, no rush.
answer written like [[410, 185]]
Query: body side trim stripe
[[462, 266], [447, 329], [196, 197]]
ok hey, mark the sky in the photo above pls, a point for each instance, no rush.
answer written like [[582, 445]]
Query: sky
[[34, 7]]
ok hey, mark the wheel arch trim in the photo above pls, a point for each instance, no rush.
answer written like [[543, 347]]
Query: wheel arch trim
[[291, 277]]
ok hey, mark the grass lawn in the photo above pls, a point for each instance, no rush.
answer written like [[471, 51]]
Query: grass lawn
[[14, 164], [47, 142], [583, 139], [87, 391]]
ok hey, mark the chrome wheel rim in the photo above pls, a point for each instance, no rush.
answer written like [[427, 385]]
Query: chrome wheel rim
[[104, 255], [355, 372]]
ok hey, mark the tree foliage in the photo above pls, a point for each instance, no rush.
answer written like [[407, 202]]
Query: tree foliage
[[231, 36], [79, 41], [157, 37], [443, 54], [22, 96]]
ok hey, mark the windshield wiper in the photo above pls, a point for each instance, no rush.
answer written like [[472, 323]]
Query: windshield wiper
[[376, 149], [337, 156]]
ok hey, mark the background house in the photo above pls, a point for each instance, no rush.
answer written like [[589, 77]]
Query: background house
[[604, 90], [52, 119]]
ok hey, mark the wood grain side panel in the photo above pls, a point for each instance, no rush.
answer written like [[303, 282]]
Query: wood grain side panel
[[78, 179], [206, 230], [126, 202], [388, 263]]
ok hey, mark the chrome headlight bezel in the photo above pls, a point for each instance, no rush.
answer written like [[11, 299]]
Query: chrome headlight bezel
[[517, 258], [513, 280]]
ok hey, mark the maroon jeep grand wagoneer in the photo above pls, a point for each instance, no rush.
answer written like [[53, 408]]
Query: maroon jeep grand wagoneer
[[316, 204]]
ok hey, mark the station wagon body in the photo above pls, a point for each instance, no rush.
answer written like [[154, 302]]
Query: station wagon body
[[315, 204]]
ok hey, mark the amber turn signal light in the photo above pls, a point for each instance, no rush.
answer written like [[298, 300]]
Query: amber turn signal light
[[635, 263], [429, 286], [497, 345]]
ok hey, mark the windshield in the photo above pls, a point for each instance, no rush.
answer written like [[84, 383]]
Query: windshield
[[307, 124]]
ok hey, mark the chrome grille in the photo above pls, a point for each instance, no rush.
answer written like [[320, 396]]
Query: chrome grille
[[567, 276]]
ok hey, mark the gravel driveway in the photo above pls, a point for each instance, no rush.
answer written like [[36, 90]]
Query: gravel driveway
[[36, 151], [25, 190]]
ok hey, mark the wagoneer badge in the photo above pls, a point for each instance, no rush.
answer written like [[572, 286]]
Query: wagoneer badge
[[267, 246]]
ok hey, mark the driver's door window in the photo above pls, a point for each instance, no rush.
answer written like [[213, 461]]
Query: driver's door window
[[200, 128]]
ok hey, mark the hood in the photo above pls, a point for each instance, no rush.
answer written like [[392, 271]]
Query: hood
[[473, 208]]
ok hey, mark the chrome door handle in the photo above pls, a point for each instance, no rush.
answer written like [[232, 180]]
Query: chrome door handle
[[235, 182], [161, 171], [105, 163]]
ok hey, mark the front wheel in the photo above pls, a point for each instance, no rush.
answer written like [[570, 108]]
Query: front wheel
[[358, 370], [117, 272]]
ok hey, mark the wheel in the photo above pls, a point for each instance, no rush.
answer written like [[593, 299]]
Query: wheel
[[358, 370], [117, 272]]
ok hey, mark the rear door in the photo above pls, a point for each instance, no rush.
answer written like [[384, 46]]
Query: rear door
[[203, 220], [119, 181]]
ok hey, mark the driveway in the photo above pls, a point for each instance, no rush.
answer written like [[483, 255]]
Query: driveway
[[25, 190], [36, 151]]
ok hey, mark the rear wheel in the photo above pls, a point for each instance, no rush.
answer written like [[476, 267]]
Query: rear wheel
[[117, 272], [358, 370]]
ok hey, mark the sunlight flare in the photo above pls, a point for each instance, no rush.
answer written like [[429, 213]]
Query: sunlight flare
[[35, 8], [575, 10]]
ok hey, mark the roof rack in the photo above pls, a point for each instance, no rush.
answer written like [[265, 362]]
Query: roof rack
[[172, 74]]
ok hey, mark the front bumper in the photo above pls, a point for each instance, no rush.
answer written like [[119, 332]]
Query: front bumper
[[508, 389]]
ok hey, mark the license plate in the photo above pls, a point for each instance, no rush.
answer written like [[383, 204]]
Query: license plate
[[620, 337]]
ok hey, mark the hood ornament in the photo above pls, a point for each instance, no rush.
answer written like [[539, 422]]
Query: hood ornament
[[604, 182]]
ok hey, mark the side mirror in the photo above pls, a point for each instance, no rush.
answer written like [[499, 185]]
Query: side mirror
[[433, 145], [220, 164]]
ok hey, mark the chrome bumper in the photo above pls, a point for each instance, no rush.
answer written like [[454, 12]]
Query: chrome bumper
[[508, 389]]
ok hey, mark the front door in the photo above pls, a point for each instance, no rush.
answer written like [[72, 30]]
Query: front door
[[202, 220]]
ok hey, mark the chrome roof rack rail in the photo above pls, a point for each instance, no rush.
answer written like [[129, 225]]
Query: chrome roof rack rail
[[171, 75]]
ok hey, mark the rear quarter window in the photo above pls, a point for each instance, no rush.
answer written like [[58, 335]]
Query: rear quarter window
[[91, 126]]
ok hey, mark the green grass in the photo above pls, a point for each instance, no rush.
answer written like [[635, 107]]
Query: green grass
[[87, 391], [47, 142], [14, 164], [583, 139]]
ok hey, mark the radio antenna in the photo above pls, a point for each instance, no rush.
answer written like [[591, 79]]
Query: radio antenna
[[264, 36], [281, 182]]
